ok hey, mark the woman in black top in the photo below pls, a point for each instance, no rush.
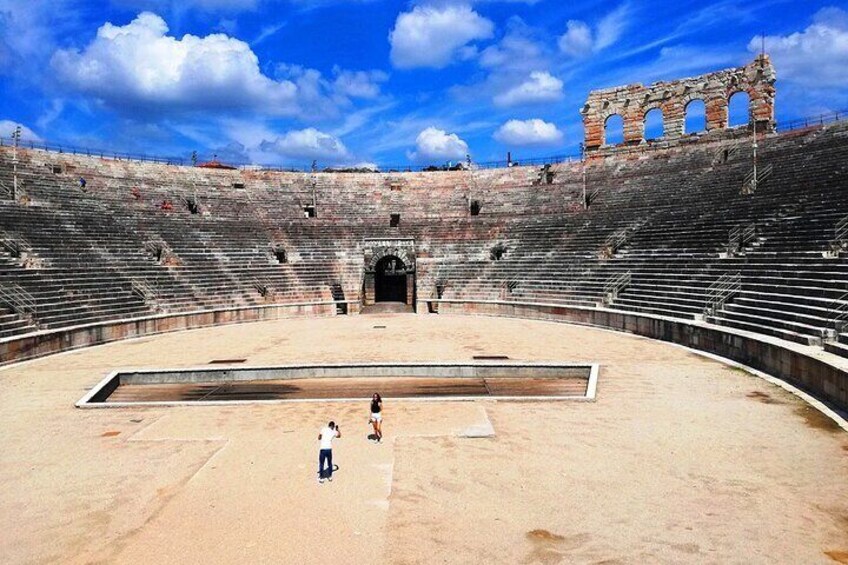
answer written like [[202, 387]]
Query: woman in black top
[[377, 416]]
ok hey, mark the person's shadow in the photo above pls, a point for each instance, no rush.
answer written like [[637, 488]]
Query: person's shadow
[[372, 437], [335, 468]]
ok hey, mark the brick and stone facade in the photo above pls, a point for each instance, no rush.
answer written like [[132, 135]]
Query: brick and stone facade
[[376, 249], [634, 101]]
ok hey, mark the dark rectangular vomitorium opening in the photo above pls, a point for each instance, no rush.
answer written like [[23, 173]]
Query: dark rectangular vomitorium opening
[[448, 381]]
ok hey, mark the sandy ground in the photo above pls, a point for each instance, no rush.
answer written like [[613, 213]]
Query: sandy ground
[[680, 460]]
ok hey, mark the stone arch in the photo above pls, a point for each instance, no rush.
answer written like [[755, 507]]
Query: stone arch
[[617, 125], [653, 123], [399, 250], [390, 280], [634, 100], [402, 254], [695, 112], [739, 111]]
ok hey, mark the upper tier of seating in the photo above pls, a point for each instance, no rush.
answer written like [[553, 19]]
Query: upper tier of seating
[[668, 232]]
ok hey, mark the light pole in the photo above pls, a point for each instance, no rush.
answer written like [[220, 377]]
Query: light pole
[[314, 183], [754, 180], [583, 163], [16, 136]]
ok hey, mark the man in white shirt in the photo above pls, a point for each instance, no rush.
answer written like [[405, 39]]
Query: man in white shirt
[[326, 453]]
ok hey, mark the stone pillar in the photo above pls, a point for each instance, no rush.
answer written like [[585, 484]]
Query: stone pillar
[[410, 288], [593, 127], [368, 291], [716, 107], [674, 118], [634, 124], [762, 76]]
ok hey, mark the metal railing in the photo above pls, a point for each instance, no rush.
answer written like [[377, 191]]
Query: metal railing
[[740, 236], [841, 230], [720, 291], [188, 160], [510, 285], [840, 239], [591, 197], [615, 285], [616, 239], [18, 299], [840, 309], [621, 236], [813, 121], [263, 286], [144, 290], [765, 173], [751, 183]]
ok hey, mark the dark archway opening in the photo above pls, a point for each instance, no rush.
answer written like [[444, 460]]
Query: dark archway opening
[[390, 280]]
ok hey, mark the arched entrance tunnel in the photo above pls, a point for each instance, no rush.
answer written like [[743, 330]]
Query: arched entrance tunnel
[[389, 275], [390, 284]]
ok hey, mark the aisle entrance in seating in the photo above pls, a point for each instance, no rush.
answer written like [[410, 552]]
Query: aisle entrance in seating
[[390, 280]]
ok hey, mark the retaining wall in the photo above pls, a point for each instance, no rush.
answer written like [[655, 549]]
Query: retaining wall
[[823, 380], [820, 378], [43, 343]]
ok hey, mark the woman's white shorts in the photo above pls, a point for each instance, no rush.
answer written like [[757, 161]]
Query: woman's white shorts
[[376, 417]]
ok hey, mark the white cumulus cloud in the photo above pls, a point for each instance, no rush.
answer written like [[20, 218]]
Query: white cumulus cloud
[[435, 144], [540, 86], [528, 132], [577, 40], [7, 128], [517, 50], [139, 66], [580, 39], [307, 143], [358, 84], [435, 36], [817, 56]]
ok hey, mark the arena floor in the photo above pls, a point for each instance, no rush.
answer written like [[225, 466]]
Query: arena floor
[[681, 459]]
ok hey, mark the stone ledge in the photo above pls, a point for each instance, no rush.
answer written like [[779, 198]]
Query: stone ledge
[[47, 342]]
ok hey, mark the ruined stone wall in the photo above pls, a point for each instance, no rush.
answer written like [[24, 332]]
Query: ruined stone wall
[[633, 102]]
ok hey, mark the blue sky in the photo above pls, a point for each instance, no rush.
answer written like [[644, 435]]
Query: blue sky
[[368, 81]]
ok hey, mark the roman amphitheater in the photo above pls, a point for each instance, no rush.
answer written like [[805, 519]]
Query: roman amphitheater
[[637, 356]]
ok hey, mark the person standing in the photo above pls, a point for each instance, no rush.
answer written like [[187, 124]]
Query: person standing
[[325, 455], [377, 416]]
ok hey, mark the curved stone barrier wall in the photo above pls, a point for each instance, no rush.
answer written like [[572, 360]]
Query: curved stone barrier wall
[[822, 379], [43, 343], [825, 381]]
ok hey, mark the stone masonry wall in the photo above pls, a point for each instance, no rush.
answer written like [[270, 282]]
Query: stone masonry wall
[[633, 102]]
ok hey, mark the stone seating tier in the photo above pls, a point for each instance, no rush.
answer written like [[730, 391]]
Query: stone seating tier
[[92, 255]]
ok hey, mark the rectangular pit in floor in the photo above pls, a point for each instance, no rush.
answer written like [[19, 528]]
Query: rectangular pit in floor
[[344, 382]]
